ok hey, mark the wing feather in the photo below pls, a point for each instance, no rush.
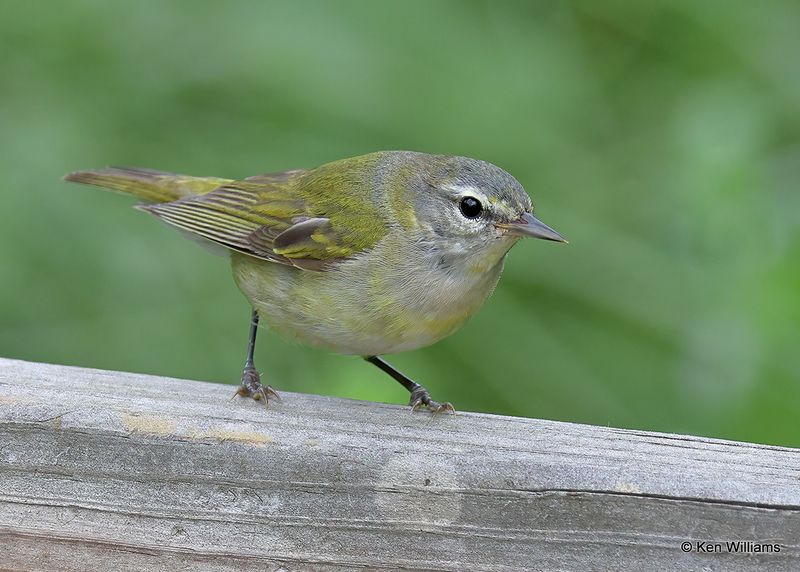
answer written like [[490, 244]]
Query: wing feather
[[262, 216]]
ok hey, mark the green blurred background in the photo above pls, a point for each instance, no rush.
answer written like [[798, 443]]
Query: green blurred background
[[662, 138]]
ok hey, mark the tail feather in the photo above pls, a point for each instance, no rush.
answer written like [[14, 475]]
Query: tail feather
[[147, 184]]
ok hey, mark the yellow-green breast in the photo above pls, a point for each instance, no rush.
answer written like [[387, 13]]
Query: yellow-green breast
[[392, 298]]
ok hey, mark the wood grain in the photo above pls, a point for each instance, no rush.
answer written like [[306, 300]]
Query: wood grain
[[109, 470]]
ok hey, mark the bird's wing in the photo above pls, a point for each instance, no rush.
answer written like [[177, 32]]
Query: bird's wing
[[270, 217]]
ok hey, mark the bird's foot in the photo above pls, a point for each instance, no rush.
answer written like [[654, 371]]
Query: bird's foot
[[421, 398], [252, 387]]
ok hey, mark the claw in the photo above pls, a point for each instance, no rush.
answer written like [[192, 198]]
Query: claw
[[259, 394], [445, 407], [420, 397], [251, 387], [269, 392]]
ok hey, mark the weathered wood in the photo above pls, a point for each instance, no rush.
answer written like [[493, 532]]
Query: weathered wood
[[108, 470]]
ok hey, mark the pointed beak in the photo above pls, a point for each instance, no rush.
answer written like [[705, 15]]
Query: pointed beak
[[529, 225]]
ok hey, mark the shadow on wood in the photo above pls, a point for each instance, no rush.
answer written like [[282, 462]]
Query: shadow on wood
[[109, 470]]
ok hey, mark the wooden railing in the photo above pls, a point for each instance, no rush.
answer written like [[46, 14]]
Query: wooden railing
[[102, 470]]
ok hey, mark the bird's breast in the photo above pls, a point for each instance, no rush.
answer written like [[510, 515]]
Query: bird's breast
[[388, 300]]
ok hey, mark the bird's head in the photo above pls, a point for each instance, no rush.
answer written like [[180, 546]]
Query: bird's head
[[464, 205]]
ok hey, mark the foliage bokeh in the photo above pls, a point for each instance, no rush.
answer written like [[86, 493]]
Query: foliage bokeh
[[662, 138]]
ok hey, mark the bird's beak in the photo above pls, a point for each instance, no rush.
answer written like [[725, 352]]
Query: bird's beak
[[529, 225]]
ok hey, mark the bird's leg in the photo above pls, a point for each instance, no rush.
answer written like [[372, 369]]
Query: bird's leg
[[419, 395], [251, 380]]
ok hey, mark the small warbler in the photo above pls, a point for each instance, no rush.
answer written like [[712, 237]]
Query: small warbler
[[377, 254]]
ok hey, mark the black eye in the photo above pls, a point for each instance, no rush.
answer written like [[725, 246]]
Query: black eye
[[471, 207]]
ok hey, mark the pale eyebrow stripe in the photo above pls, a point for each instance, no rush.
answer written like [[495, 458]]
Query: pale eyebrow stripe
[[463, 190]]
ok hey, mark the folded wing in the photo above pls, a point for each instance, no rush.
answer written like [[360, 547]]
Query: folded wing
[[263, 217]]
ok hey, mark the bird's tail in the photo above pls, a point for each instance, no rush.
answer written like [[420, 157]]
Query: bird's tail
[[147, 184]]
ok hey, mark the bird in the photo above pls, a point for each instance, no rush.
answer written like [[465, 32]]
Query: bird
[[370, 255]]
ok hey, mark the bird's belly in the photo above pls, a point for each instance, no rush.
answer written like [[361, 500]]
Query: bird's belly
[[360, 309]]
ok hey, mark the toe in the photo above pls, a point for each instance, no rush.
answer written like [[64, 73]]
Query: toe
[[423, 398], [445, 407], [251, 387], [269, 392]]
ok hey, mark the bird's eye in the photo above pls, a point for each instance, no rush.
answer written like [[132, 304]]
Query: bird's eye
[[471, 207]]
